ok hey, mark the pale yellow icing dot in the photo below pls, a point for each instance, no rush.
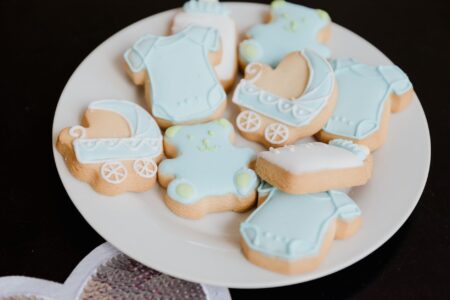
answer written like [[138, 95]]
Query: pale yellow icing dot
[[223, 122], [323, 15], [172, 131], [184, 190], [243, 180]]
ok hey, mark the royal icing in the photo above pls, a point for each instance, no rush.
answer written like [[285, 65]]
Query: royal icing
[[294, 112], [293, 227], [212, 14], [317, 156], [207, 163], [293, 27], [183, 84], [142, 146], [363, 91]]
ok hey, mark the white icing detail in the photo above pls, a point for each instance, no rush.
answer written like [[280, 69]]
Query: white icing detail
[[276, 133], [225, 25], [145, 168], [312, 157], [248, 121], [77, 132], [113, 172], [255, 70]]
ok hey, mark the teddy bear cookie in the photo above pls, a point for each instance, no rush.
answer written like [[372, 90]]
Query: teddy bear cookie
[[292, 234], [177, 72], [367, 96], [294, 100], [211, 13], [292, 27], [315, 167], [206, 173], [115, 150]]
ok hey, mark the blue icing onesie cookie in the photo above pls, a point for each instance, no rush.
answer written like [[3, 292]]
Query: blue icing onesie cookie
[[291, 233], [367, 94], [292, 27], [181, 83], [208, 173]]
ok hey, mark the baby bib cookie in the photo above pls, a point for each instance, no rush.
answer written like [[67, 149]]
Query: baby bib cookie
[[294, 100], [315, 167], [116, 148], [211, 13], [292, 27], [181, 86], [291, 234], [367, 96], [208, 173]]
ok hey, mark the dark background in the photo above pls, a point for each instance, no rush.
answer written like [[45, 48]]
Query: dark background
[[43, 235]]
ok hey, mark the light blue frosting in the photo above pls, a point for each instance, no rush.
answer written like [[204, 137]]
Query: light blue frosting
[[363, 91], [145, 140], [293, 27], [297, 112], [184, 86], [359, 150], [292, 227], [210, 7], [207, 164]]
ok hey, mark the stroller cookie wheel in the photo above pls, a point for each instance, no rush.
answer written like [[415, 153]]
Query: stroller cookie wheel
[[248, 121], [114, 172], [276, 133], [145, 167]]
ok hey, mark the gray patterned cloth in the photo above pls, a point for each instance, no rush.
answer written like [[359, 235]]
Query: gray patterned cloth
[[125, 278]]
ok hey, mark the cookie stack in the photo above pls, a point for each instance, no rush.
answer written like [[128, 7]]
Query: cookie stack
[[290, 90]]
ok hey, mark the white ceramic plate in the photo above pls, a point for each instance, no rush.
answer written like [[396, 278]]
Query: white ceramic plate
[[207, 250]]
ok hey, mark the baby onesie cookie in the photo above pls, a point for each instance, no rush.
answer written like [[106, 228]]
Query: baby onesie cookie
[[208, 173], [292, 27], [367, 96], [294, 100], [291, 234], [211, 13], [315, 167], [180, 83], [116, 148]]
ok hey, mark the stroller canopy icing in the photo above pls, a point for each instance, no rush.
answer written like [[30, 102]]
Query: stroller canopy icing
[[295, 112], [145, 140]]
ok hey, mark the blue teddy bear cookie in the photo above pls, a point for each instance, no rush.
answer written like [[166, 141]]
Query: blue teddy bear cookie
[[206, 172], [292, 27]]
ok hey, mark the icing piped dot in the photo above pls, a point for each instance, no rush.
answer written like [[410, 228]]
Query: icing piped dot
[[172, 131], [184, 190]]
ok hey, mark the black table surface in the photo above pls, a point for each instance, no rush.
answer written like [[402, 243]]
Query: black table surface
[[43, 235]]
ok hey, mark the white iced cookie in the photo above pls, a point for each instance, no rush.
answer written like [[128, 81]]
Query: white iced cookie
[[213, 14], [315, 167]]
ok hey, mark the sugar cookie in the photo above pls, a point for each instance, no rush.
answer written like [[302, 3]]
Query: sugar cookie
[[291, 234], [315, 167], [292, 27], [294, 100], [211, 13], [367, 96], [208, 173], [180, 83], [116, 148]]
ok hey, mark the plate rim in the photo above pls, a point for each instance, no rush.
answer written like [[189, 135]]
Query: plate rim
[[288, 280]]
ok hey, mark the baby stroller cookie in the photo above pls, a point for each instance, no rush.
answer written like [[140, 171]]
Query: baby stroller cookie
[[294, 100], [115, 150], [206, 173]]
